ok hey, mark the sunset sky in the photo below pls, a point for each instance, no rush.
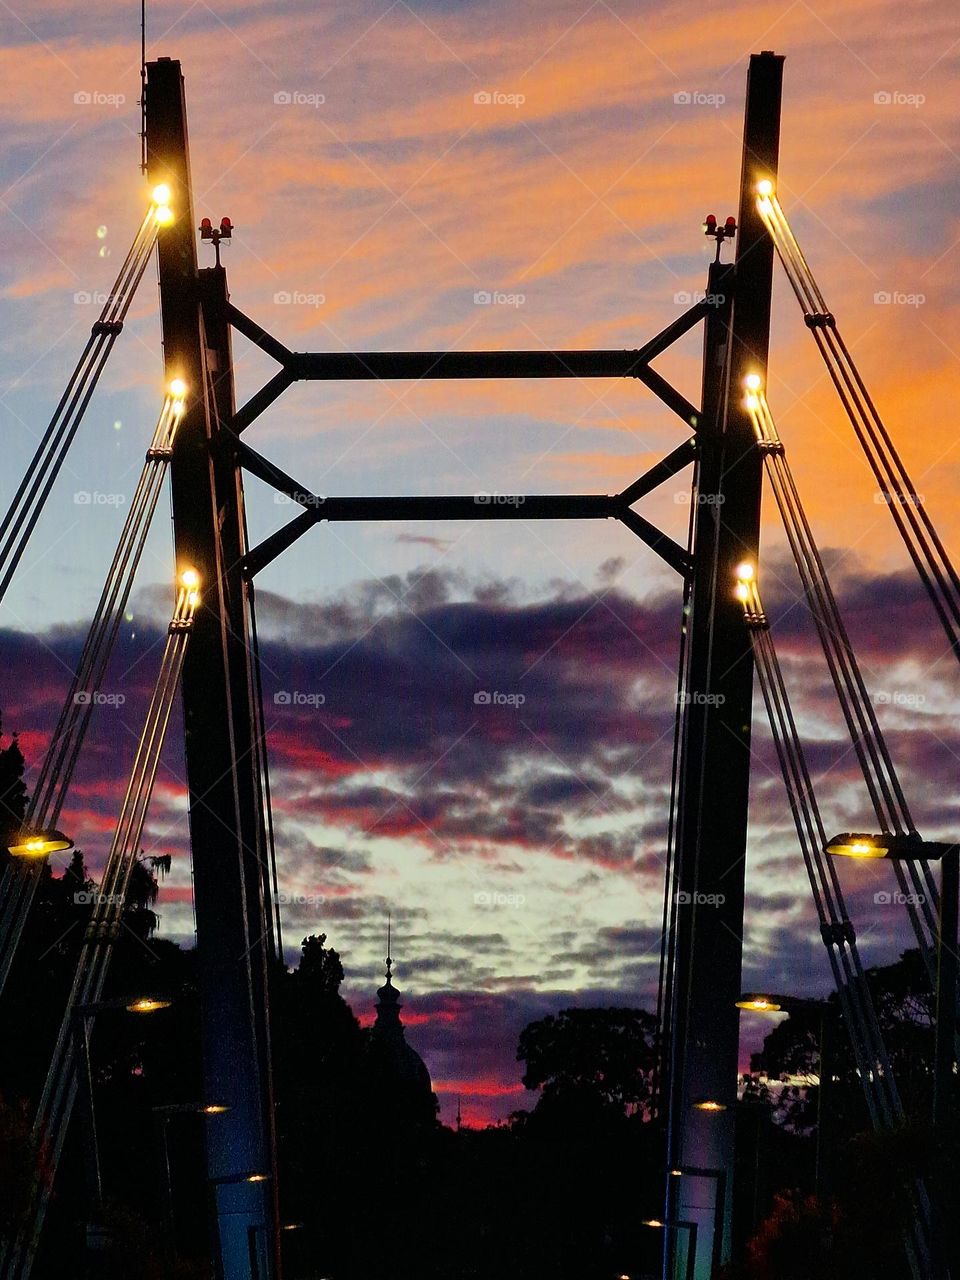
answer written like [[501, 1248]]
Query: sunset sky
[[520, 848]]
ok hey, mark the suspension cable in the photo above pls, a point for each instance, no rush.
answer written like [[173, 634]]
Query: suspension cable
[[877, 1080], [880, 775], [909, 514], [28, 502], [20, 880], [60, 1088]]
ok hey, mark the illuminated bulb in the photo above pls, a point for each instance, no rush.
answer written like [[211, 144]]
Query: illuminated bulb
[[708, 1104], [177, 407], [190, 579], [745, 571], [161, 194], [147, 1004], [215, 1109], [178, 388], [257, 1177], [742, 592], [751, 403], [164, 215], [193, 599], [765, 188], [753, 382], [652, 1222]]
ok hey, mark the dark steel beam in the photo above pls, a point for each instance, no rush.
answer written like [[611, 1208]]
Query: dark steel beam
[[674, 555], [714, 775], [208, 532], [259, 337], [263, 399], [665, 470]]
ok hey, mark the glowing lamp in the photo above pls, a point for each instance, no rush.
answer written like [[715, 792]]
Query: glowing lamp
[[164, 215], [148, 1004], [765, 188], [759, 1003], [38, 844], [161, 194]]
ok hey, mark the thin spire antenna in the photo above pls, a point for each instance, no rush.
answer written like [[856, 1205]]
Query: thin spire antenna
[[389, 936], [143, 86]]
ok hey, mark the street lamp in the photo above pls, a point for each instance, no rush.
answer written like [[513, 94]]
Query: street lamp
[[910, 848], [719, 1204], [766, 1002], [82, 1016], [678, 1225], [39, 844], [162, 1116]]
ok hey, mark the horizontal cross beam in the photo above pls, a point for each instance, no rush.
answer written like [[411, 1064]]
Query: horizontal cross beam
[[477, 506], [419, 365]]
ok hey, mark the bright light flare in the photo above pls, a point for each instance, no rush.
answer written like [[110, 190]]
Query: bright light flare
[[38, 844], [190, 579], [162, 194], [759, 1004], [745, 572], [742, 592], [147, 1004], [178, 388], [163, 215], [709, 1104], [765, 188], [753, 382]]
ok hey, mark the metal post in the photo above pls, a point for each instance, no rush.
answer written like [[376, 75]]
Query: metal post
[[944, 1031], [232, 933], [715, 747]]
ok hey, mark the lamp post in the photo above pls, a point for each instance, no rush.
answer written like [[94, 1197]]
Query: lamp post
[[83, 1016], [679, 1225], [765, 1002], [910, 848], [720, 1199], [162, 1116]]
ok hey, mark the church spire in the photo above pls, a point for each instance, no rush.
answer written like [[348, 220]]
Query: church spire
[[389, 957]]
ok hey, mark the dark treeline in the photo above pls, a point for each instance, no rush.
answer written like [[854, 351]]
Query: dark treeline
[[373, 1187]]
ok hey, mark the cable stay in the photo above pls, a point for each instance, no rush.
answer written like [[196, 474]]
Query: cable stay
[[839, 937], [914, 876], [60, 1089], [19, 883], [915, 526], [28, 502]]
